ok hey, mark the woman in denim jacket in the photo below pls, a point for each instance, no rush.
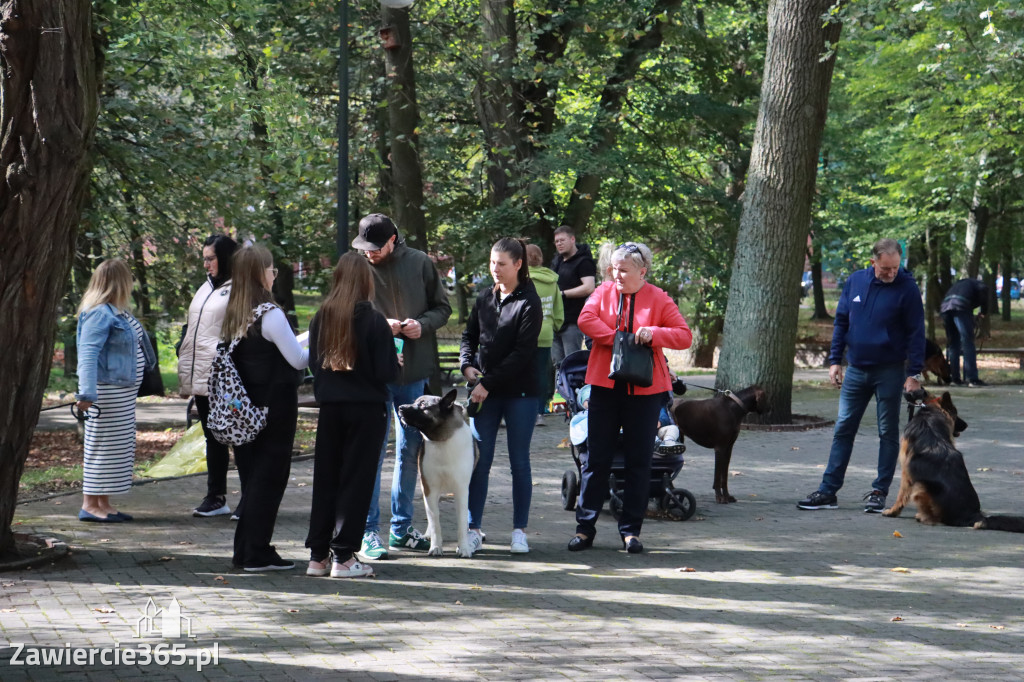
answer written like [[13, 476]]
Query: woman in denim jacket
[[113, 351]]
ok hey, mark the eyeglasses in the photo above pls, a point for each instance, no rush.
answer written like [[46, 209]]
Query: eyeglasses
[[209, 259], [273, 271]]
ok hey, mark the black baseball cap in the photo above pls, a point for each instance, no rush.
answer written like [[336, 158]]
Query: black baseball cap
[[374, 232]]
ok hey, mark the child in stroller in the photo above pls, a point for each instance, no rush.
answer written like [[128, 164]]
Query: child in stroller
[[678, 503]]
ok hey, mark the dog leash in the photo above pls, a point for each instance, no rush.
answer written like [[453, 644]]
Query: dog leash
[[725, 392], [80, 416]]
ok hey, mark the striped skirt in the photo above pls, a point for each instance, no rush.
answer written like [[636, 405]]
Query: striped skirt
[[110, 439]]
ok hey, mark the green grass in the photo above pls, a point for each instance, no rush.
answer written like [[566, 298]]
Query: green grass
[[46, 480]]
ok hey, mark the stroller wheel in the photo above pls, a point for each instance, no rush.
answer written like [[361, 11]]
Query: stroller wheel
[[570, 489], [678, 503]]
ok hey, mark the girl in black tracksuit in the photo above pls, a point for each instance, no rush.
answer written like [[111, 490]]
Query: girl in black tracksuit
[[351, 388]]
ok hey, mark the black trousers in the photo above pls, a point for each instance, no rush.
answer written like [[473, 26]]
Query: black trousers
[[217, 454], [612, 409], [263, 467], [349, 438]]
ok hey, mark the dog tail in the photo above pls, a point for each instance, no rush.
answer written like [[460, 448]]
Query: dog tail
[[1011, 524]]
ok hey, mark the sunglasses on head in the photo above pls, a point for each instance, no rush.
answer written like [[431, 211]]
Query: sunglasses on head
[[630, 247]]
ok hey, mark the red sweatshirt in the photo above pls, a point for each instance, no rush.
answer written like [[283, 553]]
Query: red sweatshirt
[[655, 309]]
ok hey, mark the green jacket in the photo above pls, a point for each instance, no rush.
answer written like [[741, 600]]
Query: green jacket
[[407, 284], [546, 282]]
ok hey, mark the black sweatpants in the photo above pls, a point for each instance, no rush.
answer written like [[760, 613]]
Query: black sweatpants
[[349, 438], [217, 454], [612, 409], [263, 468]]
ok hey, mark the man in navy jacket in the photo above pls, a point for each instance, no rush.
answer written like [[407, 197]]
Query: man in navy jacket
[[880, 325], [958, 317]]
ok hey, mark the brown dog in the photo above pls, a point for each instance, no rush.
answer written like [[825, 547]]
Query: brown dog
[[936, 363], [934, 475], [715, 423]]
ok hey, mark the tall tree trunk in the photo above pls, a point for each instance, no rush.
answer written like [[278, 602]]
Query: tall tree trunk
[[977, 223], [48, 108], [604, 132], [404, 119], [760, 328], [932, 292], [141, 294], [817, 290], [497, 106], [284, 283]]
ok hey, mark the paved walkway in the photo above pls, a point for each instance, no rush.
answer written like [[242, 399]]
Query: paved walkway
[[774, 592]]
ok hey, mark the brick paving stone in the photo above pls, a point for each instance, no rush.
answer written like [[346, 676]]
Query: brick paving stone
[[776, 593]]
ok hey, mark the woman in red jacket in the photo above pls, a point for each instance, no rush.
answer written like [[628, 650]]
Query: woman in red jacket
[[616, 405]]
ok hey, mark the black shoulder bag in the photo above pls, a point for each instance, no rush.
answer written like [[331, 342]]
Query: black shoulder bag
[[631, 362]]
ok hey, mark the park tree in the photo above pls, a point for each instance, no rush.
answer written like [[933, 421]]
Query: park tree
[[48, 108], [760, 322]]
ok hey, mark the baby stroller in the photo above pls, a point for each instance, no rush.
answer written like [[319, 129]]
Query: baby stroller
[[678, 503]]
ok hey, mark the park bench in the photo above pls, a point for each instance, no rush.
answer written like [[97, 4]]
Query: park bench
[[448, 361], [1018, 352]]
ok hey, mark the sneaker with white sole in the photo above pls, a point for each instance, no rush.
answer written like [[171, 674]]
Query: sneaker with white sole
[[373, 547], [818, 500], [475, 540], [354, 570], [212, 505], [319, 568], [411, 539], [519, 544], [874, 502]]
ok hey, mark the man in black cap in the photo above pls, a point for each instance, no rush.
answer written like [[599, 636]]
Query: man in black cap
[[411, 294]]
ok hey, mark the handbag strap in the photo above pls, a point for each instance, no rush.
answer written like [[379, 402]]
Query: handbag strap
[[618, 318]]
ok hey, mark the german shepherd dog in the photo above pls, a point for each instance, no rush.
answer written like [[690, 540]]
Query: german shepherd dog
[[447, 458], [715, 423], [934, 474], [936, 363]]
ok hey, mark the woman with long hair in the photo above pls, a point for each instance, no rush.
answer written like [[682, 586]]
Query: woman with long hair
[[113, 352], [268, 359], [198, 348], [617, 406], [353, 358], [499, 348]]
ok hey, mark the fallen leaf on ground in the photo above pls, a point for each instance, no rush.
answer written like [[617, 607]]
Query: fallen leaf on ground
[[293, 610], [794, 448], [564, 444], [900, 569], [458, 603], [897, 534], [998, 627], [184, 542], [219, 577], [104, 540], [895, 619], [962, 625], [985, 469], [166, 558], [301, 485], [686, 569], [735, 473], [759, 518], [104, 609], [102, 620], [10, 610]]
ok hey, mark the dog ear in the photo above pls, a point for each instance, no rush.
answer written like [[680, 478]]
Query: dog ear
[[760, 400], [449, 399]]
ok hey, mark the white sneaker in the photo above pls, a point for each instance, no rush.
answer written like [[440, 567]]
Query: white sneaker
[[353, 570], [519, 544], [475, 541]]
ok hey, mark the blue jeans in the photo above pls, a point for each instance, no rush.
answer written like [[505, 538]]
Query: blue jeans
[[885, 384], [520, 417], [403, 481], [960, 339]]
